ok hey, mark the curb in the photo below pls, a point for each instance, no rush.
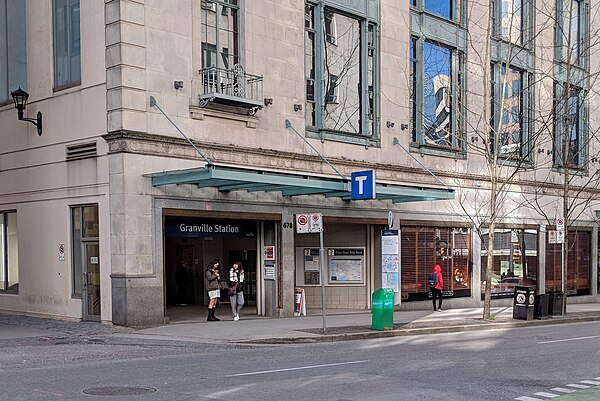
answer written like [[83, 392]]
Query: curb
[[418, 331]]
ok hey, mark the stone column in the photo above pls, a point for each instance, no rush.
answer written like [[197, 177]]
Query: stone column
[[288, 266]]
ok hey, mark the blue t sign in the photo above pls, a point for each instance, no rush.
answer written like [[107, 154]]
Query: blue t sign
[[363, 185]]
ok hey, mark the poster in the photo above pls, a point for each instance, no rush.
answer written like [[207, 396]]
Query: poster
[[311, 260]]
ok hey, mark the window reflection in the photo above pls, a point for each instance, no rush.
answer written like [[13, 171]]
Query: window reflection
[[437, 95], [442, 8], [515, 260]]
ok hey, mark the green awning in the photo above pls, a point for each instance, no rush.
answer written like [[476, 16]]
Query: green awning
[[252, 180]]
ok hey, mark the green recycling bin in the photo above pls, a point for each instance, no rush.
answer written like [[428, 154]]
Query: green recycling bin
[[382, 309]]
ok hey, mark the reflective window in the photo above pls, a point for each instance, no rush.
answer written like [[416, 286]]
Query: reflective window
[[220, 34], [578, 263], [515, 260], [442, 8], [436, 110], [9, 252], [85, 227], [569, 131], [67, 43], [511, 21], [340, 70], [13, 50]]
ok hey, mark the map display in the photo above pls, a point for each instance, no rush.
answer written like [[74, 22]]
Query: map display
[[390, 263], [390, 280], [346, 270]]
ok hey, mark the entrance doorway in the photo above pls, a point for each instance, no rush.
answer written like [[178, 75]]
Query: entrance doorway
[[190, 245], [91, 281]]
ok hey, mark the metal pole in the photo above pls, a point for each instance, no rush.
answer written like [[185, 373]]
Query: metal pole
[[322, 257]]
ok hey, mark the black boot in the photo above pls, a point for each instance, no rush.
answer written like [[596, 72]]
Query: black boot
[[211, 316]]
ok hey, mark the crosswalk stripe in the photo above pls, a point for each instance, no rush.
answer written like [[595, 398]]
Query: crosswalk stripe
[[524, 398], [563, 390], [578, 386], [547, 395], [592, 382]]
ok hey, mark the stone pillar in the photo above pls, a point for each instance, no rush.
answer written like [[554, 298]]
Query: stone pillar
[[288, 266]]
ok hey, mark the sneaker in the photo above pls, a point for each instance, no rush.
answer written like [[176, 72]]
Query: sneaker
[[439, 309], [235, 319]]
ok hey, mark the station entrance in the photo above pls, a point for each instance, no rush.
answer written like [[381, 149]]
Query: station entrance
[[190, 244]]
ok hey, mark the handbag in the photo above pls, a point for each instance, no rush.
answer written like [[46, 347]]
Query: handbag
[[232, 290]]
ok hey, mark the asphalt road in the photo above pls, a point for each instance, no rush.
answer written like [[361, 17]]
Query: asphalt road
[[470, 366]]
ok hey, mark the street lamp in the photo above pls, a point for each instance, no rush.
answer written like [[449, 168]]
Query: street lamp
[[20, 98]]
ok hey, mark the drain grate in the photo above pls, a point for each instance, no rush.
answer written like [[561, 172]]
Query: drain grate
[[119, 390]]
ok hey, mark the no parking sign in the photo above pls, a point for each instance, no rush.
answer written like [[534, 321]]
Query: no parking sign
[[302, 223]]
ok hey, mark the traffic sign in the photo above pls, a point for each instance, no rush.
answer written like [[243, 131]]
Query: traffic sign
[[560, 237], [560, 223], [302, 224], [316, 222]]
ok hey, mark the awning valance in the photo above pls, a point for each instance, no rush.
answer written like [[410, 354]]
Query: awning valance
[[252, 180]]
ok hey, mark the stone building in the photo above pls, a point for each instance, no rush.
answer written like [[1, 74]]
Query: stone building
[[190, 130]]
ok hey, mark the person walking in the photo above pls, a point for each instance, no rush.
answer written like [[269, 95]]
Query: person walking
[[436, 282], [236, 289], [212, 283]]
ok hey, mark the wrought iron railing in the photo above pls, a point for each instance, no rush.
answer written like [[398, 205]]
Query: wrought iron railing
[[233, 85]]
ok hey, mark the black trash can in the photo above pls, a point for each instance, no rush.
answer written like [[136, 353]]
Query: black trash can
[[555, 305], [540, 308], [523, 303]]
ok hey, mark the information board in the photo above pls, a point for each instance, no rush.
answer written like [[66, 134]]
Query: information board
[[346, 265], [390, 260]]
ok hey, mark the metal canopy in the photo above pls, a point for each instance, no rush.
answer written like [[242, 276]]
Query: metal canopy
[[231, 178]]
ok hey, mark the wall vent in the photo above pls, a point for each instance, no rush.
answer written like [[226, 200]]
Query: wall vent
[[81, 151]]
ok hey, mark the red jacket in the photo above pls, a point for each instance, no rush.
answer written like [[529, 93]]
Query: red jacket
[[438, 273]]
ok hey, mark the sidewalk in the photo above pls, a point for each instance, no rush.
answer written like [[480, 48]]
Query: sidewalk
[[344, 325], [341, 325]]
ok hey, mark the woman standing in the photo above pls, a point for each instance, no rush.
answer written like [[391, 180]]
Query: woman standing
[[236, 289], [212, 283]]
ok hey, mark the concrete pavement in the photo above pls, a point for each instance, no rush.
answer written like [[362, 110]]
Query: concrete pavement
[[251, 329]]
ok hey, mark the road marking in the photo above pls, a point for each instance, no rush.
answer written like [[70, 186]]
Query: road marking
[[592, 382], [547, 395], [578, 386], [524, 398], [567, 339], [298, 368], [563, 390]]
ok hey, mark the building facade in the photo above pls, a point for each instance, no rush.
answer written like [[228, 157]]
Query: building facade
[[185, 131]]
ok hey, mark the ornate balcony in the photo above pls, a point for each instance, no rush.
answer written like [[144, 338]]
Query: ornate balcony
[[233, 87]]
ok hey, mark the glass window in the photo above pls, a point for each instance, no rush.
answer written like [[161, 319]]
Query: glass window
[[13, 48], [9, 252], [437, 107], [575, 31], [511, 21], [340, 57], [569, 131], [515, 260], [578, 264], [508, 107], [85, 227], [443, 8], [220, 34], [424, 247], [67, 43]]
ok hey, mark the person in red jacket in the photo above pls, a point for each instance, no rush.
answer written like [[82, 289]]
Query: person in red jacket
[[436, 291]]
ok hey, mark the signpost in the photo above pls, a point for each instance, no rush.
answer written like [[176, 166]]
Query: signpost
[[313, 223]]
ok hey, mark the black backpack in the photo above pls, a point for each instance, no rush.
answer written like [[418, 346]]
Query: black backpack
[[432, 280]]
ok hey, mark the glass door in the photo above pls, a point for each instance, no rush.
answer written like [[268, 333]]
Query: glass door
[[91, 281]]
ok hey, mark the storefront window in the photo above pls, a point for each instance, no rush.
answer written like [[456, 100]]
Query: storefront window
[[515, 260], [579, 264], [424, 247], [85, 225]]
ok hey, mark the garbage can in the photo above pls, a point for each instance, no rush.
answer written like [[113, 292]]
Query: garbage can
[[523, 303], [540, 308], [382, 309], [556, 303]]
